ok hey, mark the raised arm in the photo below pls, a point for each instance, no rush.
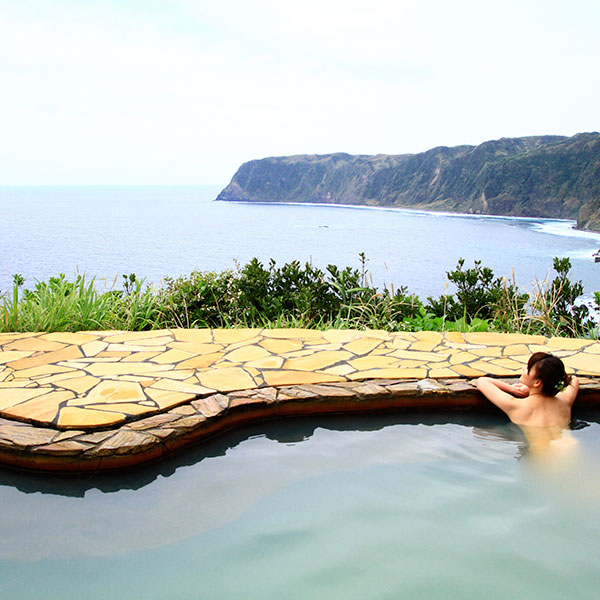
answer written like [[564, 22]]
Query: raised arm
[[569, 394], [497, 393]]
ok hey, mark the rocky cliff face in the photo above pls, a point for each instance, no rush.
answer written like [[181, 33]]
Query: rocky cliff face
[[542, 176]]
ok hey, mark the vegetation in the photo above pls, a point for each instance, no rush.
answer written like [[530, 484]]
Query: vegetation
[[538, 176], [255, 295]]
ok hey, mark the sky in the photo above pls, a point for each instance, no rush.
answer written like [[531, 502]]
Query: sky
[[180, 92]]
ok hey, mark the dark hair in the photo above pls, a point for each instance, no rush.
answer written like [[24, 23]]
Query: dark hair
[[551, 370]]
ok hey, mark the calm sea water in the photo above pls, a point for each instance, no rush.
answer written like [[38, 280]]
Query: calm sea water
[[157, 231], [355, 508]]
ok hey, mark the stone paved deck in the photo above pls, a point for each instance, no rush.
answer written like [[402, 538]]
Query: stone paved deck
[[88, 400]]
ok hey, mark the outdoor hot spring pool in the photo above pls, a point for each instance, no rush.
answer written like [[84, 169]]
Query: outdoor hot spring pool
[[346, 508]]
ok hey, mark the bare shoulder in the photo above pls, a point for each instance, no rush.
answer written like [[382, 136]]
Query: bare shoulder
[[569, 394], [491, 389]]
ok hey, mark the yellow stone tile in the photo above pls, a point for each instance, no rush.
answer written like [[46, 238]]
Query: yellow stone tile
[[179, 386], [424, 345], [246, 353], [487, 351], [200, 362], [233, 336], [468, 371], [11, 396], [168, 398], [196, 347], [382, 351], [7, 356], [362, 345], [112, 354], [281, 346], [509, 363], [462, 357], [4, 373], [179, 374], [491, 368], [373, 362], [11, 336], [124, 368], [134, 348], [376, 334], [442, 372], [74, 417], [114, 391], [227, 379], [515, 350], [249, 342], [197, 336], [542, 348], [125, 408], [428, 336], [42, 371], [66, 337], [299, 353], [418, 373], [46, 358], [16, 383], [319, 360], [172, 356], [254, 372], [129, 337], [299, 334], [60, 377], [488, 338], [593, 349], [152, 343], [269, 362], [34, 344], [586, 364], [339, 336], [416, 355], [454, 337], [141, 356], [42, 408], [568, 343], [79, 385], [401, 343], [341, 370], [409, 364], [93, 348], [283, 377], [399, 337]]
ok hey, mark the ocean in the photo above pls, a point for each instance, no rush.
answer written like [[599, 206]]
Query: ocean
[[155, 232]]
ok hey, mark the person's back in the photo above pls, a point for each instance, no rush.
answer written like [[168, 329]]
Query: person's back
[[536, 400]]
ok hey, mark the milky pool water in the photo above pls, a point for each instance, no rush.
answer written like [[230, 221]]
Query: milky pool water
[[354, 507]]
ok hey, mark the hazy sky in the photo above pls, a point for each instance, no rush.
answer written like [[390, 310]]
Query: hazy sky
[[184, 91]]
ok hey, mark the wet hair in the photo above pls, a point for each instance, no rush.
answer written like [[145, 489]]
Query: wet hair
[[550, 370]]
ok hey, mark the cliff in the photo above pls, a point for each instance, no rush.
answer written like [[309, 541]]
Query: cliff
[[541, 176]]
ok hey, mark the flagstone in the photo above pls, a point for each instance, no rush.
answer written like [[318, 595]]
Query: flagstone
[[128, 368], [17, 383], [125, 408], [179, 386], [568, 343], [200, 362], [34, 344], [468, 371], [67, 337], [113, 391], [269, 362], [168, 398], [244, 343], [316, 361], [399, 373], [373, 362], [488, 338], [424, 345], [362, 345], [298, 354], [10, 396], [343, 369], [377, 334], [339, 336], [417, 355], [196, 347], [486, 351], [79, 385], [246, 353], [53, 379], [75, 417], [42, 408], [515, 349], [109, 354], [46, 358], [93, 348], [285, 377], [226, 379], [41, 371], [180, 375], [141, 356], [300, 334], [454, 337], [428, 336], [587, 364], [233, 336], [462, 357], [7, 356], [509, 363], [135, 336], [402, 336], [491, 368], [152, 343], [9, 336], [593, 349], [198, 336], [281, 346], [400, 343], [172, 356]]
